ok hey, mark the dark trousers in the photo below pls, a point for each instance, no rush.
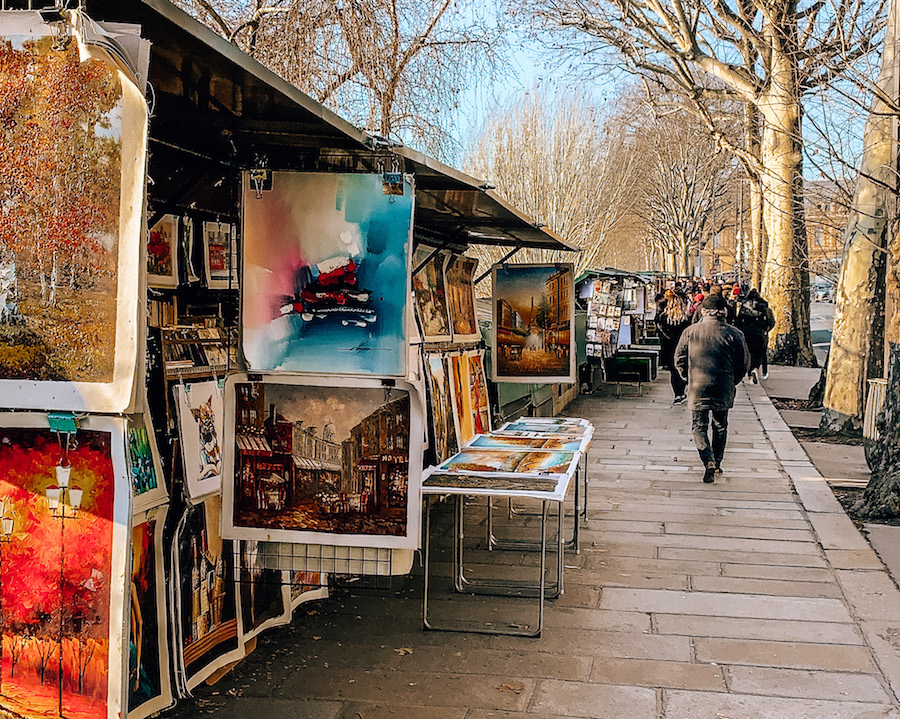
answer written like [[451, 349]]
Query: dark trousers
[[700, 427], [756, 344], [678, 384]]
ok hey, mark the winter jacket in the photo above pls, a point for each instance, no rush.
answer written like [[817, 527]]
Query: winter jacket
[[753, 317], [669, 334], [713, 357]]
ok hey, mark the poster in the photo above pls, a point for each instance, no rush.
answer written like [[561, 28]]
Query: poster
[[478, 393], [70, 262], [532, 337], [569, 444], [64, 559], [220, 255], [510, 461], [162, 253], [315, 462], [458, 367], [149, 683], [326, 275], [148, 485], [443, 423], [459, 281], [200, 416], [204, 596], [306, 587], [264, 597], [431, 297]]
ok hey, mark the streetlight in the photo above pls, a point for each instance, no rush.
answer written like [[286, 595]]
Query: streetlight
[[62, 498], [7, 527]]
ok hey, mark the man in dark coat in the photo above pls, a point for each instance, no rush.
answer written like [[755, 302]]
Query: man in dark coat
[[712, 356]]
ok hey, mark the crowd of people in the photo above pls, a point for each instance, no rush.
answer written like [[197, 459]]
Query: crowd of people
[[711, 337]]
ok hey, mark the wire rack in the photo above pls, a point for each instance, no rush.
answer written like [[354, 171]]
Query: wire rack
[[332, 560]]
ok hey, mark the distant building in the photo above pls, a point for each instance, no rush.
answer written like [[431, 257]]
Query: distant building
[[559, 287]]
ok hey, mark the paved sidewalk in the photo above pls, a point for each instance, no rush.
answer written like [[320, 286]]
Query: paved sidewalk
[[754, 597]]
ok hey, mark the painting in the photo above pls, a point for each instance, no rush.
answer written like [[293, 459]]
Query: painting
[[64, 516], [200, 417], [326, 275], [525, 424], [162, 253], [264, 598], [431, 297], [306, 587], [207, 637], [320, 459], [532, 336], [72, 178], [220, 255], [510, 461], [479, 407], [458, 366], [187, 250], [459, 282], [149, 683], [443, 423], [148, 485], [561, 443]]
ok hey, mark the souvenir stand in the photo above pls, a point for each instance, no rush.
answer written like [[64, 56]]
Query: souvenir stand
[[176, 378]]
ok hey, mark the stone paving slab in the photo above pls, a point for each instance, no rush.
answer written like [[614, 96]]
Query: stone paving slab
[[753, 598]]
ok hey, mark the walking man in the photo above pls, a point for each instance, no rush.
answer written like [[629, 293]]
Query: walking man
[[713, 357]]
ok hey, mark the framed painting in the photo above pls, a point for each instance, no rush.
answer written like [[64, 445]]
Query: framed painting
[[442, 423], [200, 417], [204, 596], [148, 484], [463, 417], [511, 462], [431, 296], [525, 424], [532, 336], [264, 597], [149, 681], [569, 444], [479, 404], [70, 260], [323, 460], [459, 282], [162, 253], [220, 255], [326, 275], [65, 513], [306, 587]]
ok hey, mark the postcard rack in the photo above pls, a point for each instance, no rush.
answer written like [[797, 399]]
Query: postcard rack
[[336, 560]]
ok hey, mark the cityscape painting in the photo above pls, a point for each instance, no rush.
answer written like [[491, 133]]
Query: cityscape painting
[[320, 463], [431, 296], [459, 282], [63, 555], [72, 178], [533, 337], [443, 424]]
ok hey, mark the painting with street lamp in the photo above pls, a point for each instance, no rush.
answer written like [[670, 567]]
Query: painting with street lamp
[[532, 334]]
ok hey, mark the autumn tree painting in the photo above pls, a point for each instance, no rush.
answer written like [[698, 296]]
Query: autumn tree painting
[[55, 577], [60, 170]]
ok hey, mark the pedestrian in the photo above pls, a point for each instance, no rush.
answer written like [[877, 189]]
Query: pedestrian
[[755, 319], [671, 320], [712, 357]]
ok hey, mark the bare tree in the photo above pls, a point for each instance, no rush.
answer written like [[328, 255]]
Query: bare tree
[[767, 53], [557, 160], [398, 68]]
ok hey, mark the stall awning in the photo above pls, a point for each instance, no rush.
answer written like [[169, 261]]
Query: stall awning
[[304, 463], [252, 444]]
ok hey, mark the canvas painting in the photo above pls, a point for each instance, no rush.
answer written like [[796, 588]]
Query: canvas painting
[[459, 282], [463, 416], [148, 485], [207, 636], [443, 423], [480, 407], [200, 417], [264, 598], [149, 684], [306, 587], [323, 460], [187, 250], [220, 255], [72, 176], [510, 461], [560, 443], [63, 571], [526, 424], [162, 253], [326, 275], [532, 337], [431, 296]]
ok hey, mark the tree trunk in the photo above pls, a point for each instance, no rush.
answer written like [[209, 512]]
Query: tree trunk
[[784, 285], [857, 346], [757, 254]]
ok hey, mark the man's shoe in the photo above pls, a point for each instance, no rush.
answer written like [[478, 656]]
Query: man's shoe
[[680, 399], [765, 374], [754, 378], [709, 474], [718, 468]]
